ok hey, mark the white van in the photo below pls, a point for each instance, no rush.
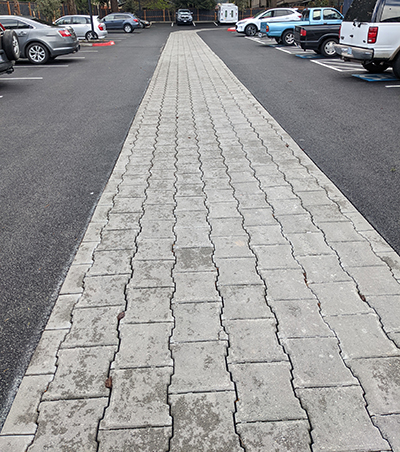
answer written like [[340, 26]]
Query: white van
[[370, 34], [228, 13]]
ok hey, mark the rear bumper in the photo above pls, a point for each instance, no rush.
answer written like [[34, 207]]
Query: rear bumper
[[66, 50], [354, 53]]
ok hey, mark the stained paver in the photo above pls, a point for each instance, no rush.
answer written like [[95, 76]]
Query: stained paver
[[225, 297]]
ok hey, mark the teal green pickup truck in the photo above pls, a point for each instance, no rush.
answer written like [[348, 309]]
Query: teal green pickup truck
[[283, 32]]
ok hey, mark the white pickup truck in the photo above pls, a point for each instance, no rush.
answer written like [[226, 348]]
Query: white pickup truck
[[370, 33]]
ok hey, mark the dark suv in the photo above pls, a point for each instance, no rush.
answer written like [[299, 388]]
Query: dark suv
[[184, 16], [9, 50]]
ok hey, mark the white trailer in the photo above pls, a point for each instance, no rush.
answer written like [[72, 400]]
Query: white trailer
[[227, 13]]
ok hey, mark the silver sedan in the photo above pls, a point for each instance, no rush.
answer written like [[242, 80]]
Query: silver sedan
[[39, 42]]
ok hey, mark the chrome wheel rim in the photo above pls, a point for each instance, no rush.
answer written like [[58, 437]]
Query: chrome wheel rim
[[37, 53], [329, 48]]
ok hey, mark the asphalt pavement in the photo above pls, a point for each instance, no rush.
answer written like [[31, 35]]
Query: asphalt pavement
[[225, 297]]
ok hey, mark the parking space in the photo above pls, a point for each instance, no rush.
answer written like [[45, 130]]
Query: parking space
[[335, 64]]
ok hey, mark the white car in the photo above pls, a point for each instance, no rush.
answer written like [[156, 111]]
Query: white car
[[370, 34], [83, 27], [251, 25]]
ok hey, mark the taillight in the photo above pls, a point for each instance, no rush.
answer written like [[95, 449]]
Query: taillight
[[135, 20], [267, 29], [303, 32], [372, 35], [101, 27], [64, 33]]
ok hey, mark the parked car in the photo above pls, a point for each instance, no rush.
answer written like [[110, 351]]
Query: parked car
[[184, 16], [283, 32], [9, 50], [251, 25], [40, 42], [144, 23], [321, 38], [82, 26], [370, 34], [121, 21]]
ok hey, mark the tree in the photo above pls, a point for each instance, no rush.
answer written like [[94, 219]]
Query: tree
[[71, 7], [50, 9]]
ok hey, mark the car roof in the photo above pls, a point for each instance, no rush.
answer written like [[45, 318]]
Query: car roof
[[29, 20]]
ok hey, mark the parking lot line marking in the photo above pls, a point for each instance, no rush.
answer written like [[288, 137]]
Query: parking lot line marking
[[41, 65], [339, 68], [22, 78], [392, 86], [73, 57], [283, 50]]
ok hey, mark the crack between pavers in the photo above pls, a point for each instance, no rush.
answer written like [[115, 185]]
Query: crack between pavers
[[168, 392], [221, 320], [257, 262], [310, 288], [108, 382]]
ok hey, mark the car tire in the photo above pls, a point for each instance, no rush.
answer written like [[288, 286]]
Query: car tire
[[375, 68], [250, 30], [396, 67], [278, 40], [11, 45], [327, 48], [128, 28], [288, 38], [37, 53], [91, 35]]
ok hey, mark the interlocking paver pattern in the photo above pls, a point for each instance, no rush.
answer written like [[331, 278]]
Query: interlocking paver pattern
[[226, 296]]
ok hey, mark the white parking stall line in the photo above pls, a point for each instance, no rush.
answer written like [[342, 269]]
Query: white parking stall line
[[68, 57], [338, 66], [38, 66], [283, 50], [21, 78], [392, 86]]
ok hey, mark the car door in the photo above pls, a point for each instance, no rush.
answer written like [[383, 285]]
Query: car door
[[79, 24], [331, 16], [109, 21], [21, 28], [119, 20]]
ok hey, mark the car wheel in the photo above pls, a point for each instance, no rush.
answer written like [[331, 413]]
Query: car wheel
[[128, 28], [327, 47], [396, 67], [288, 38], [11, 45], [250, 30], [375, 68], [37, 53], [90, 35]]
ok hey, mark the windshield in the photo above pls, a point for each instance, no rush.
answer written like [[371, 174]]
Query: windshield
[[360, 11]]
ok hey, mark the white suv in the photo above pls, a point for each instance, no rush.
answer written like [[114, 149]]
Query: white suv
[[370, 33], [251, 25]]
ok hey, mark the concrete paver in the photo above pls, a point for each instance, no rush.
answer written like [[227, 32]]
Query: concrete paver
[[225, 297]]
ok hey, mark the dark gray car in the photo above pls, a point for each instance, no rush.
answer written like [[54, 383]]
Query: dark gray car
[[40, 42], [9, 50]]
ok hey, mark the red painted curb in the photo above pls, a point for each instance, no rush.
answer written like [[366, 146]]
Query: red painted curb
[[102, 44], [231, 29]]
